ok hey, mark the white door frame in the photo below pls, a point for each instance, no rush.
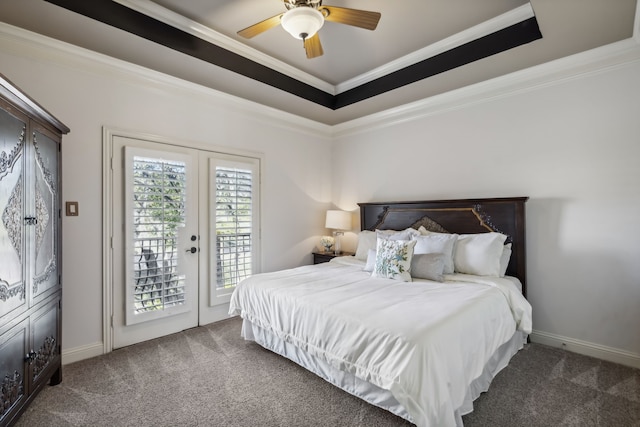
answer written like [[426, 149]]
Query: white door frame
[[108, 134]]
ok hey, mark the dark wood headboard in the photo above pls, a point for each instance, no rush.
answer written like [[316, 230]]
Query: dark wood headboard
[[504, 215]]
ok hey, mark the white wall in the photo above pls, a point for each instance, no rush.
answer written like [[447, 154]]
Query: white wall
[[87, 95], [573, 147]]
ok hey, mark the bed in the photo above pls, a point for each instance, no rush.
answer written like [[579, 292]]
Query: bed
[[413, 323]]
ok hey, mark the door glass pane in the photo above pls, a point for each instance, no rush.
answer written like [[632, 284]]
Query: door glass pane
[[159, 200], [234, 219]]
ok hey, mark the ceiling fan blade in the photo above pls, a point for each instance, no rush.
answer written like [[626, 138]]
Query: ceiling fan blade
[[313, 47], [354, 17], [260, 27]]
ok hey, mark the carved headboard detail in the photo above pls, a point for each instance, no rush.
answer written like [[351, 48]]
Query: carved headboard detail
[[466, 216], [429, 225]]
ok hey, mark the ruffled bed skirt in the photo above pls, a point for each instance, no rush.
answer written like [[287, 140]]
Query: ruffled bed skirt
[[372, 393]]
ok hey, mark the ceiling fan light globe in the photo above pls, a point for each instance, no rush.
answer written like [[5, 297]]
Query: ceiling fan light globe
[[302, 22]]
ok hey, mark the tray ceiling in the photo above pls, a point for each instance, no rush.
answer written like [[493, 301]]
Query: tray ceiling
[[420, 48]]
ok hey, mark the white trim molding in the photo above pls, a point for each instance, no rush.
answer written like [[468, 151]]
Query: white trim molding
[[107, 240], [24, 42], [636, 23], [194, 28], [555, 72], [576, 66], [586, 348], [77, 354], [189, 26], [476, 32]]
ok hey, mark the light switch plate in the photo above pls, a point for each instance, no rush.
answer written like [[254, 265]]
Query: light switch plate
[[72, 208]]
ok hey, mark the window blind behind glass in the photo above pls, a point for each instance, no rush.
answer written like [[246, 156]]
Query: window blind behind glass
[[159, 195], [234, 189]]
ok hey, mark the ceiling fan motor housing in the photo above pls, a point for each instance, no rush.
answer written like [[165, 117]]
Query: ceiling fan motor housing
[[292, 4]]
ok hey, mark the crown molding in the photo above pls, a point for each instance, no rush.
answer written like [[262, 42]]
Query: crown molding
[[189, 26], [505, 20], [12, 92], [194, 28], [552, 73], [24, 42], [555, 72]]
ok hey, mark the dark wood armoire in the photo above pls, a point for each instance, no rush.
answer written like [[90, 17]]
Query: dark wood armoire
[[30, 250]]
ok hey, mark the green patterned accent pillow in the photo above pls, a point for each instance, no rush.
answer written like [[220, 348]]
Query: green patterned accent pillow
[[393, 259]]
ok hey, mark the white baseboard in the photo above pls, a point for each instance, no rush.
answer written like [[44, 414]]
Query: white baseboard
[[577, 346], [609, 354], [80, 353]]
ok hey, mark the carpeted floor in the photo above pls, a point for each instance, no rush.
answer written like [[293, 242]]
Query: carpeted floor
[[209, 376]]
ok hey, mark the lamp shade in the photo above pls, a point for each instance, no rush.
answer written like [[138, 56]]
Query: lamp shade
[[302, 22], [338, 220]]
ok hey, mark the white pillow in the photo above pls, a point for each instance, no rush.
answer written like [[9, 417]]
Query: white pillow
[[366, 241], [393, 259], [479, 254], [371, 260], [441, 243], [504, 259], [428, 266], [405, 234]]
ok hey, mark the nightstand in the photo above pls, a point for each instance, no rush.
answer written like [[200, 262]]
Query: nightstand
[[320, 257]]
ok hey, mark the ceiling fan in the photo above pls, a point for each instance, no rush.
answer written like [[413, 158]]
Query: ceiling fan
[[304, 18]]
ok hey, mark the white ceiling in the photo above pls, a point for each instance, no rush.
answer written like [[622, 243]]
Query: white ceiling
[[409, 31]]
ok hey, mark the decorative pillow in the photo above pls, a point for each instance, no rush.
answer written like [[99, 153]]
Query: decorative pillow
[[366, 240], [438, 243], [428, 266], [371, 260], [479, 254], [504, 259], [393, 259]]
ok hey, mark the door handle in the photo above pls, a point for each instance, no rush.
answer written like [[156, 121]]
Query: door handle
[[192, 249]]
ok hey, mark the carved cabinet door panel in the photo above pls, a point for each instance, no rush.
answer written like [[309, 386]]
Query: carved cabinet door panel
[[13, 128], [43, 205], [13, 375], [44, 347]]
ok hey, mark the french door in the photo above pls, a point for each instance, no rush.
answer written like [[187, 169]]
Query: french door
[[184, 233], [155, 280]]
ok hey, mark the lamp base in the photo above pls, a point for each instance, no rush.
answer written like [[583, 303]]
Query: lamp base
[[337, 250]]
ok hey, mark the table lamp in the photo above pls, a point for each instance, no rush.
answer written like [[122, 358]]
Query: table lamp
[[338, 221]]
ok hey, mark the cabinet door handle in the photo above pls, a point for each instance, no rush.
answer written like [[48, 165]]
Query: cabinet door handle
[[30, 357]]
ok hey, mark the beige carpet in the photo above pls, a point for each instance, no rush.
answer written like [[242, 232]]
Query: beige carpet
[[209, 376]]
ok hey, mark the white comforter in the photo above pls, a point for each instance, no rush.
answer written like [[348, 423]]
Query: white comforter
[[423, 341]]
